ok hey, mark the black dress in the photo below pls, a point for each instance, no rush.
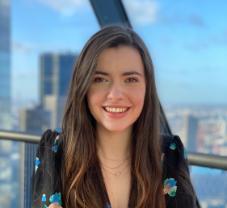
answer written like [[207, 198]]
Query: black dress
[[46, 177]]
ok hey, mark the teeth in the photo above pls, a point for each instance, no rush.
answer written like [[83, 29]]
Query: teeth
[[115, 110]]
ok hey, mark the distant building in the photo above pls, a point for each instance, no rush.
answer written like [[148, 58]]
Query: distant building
[[8, 168], [28, 152], [5, 89], [55, 76], [55, 105], [191, 130], [34, 120]]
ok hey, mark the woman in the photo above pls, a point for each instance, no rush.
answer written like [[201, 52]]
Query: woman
[[110, 152]]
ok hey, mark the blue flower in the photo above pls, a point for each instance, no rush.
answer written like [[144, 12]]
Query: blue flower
[[172, 146], [58, 130], [44, 198], [55, 145], [170, 187], [56, 198], [37, 163], [54, 148]]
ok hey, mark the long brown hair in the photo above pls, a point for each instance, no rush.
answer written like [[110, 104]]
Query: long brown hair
[[79, 144]]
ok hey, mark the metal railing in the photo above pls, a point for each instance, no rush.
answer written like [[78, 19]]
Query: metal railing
[[197, 159]]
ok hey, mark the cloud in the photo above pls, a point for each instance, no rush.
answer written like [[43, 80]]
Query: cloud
[[65, 7], [142, 12], [192, 19], [23, 47]]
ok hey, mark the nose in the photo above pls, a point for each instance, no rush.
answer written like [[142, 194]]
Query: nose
[[115, 92]]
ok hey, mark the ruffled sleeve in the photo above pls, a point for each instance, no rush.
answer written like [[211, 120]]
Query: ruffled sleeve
[[46, 186], [178, 188]]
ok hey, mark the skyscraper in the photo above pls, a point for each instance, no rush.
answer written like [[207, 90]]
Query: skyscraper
[[191, 130], [28, 152], [5, 64], [7, 167], [55, 76]]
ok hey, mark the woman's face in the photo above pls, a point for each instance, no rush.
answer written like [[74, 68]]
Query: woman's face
[[116, 95]]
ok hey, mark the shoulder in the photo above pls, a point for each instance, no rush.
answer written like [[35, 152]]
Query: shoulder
[[178, 187], [49, 149], [173, 149], [175, 158], [46, 183], [49, 137], [171, 142]]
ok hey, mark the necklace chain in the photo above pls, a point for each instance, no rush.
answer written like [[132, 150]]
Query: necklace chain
[[115, 173], [119, 165]]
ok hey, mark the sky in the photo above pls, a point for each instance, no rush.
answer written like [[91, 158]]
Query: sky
[[187, 41]]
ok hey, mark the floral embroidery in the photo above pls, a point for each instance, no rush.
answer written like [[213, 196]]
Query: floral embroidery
[[58, 130], [55, 145], [172, 146], [55, 148], [37, 163], [44, 201], [44, 198], [56, 198], [170, 187]]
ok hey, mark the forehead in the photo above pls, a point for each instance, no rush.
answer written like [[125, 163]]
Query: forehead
[[120, 59]]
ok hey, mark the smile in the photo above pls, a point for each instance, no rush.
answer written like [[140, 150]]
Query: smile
[[116, 110]]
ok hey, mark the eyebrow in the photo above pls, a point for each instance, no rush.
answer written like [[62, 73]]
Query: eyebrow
[[128, 73]]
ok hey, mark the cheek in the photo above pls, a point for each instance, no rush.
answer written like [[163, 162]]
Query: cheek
[[138, 97], [94, 99]]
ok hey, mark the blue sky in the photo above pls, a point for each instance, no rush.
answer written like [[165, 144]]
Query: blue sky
[[187, 40]]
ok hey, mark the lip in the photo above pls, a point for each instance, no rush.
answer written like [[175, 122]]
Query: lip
[[116, 115]]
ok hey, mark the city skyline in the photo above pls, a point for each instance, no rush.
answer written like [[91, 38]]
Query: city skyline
[[183, 73]]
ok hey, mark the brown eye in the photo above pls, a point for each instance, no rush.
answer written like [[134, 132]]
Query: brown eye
[[99, 79], [131, 80]]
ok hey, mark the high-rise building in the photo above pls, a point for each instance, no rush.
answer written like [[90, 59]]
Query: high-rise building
[[55, 75], [34, 120], [28, 152], [5, 64], [191, 130], [8, 167]]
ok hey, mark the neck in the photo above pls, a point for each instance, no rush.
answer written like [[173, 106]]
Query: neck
[[113, 146]]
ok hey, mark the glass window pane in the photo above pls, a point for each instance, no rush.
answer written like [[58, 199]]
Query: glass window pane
[[210, 186], [188, 44], [39, 43]]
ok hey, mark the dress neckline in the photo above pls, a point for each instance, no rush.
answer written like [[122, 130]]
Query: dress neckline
[[104, 192]]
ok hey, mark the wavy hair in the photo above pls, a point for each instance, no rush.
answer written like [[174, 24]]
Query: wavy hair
[[80, 188]]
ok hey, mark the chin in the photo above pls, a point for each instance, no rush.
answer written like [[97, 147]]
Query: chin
[[118, 128]]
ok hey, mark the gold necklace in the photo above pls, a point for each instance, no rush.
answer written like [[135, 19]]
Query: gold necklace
[[115, 173], [121, 163]]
